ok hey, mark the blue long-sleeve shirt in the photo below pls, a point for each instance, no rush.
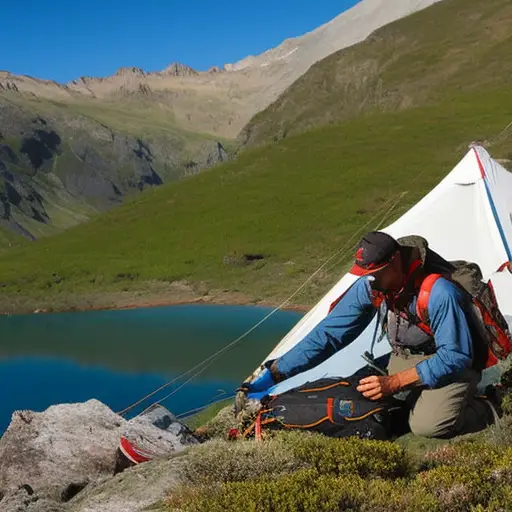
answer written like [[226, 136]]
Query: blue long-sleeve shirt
[[355, 311]]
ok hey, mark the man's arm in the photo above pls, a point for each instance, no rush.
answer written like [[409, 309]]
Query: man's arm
[[451, 333], [344, 324]]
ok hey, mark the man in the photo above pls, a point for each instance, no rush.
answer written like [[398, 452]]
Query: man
[[441, 364]]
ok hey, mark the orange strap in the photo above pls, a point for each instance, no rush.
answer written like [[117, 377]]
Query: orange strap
[[330, 386], [257, 428], [423, 299]]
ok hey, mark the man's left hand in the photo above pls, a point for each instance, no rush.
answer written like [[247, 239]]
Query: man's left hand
[[377, 387]]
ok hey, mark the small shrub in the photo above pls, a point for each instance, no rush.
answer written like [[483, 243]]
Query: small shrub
[[366, 458], [304, 490], [466, 454], [506, 404], [307, 491], [501, 500], [499, 434], [221, 461], [457, 488], [399, 496]]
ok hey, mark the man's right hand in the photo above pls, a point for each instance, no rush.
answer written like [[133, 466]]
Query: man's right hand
[[261, 383]]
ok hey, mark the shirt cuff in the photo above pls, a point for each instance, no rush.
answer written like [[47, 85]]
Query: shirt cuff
[[425, 374]]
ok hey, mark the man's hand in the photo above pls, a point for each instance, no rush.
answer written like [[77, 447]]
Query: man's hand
[[377, 387]]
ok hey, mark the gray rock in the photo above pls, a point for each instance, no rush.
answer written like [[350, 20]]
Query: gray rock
[[134, 490], [65, 443], [68, 447], [25, 499], [159, 432]]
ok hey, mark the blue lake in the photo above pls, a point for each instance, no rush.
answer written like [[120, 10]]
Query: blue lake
[[120, 356]]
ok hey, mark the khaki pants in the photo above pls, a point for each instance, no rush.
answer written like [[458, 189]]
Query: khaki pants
[[447, 411]]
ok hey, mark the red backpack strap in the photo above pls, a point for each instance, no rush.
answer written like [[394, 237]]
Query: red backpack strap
[[376, 297], [507, 265], [423, 299]]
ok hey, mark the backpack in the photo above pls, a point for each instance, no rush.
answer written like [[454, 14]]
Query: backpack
[[330, 406], [492, 326]]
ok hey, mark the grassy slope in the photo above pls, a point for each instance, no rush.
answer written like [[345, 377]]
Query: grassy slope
[[173, 149], [10, 240], [296, 202], [138, 118], [453, 46]]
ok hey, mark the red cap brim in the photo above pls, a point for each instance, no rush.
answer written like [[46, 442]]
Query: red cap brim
[[361, 271]]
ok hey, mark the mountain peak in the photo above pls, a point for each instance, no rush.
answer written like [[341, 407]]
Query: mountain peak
[[178, 69], [130, 71]]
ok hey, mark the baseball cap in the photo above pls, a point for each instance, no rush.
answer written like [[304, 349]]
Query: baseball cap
[[375, 251]]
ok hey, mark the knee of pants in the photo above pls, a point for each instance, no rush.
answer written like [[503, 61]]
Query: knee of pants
[[425, 428]]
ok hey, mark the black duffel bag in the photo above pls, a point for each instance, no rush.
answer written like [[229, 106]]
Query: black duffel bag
[[332, 407]]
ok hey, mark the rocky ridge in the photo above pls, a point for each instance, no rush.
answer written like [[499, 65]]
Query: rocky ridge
[[231, 95]]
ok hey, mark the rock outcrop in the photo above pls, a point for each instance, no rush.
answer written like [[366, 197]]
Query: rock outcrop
[[49, 458]]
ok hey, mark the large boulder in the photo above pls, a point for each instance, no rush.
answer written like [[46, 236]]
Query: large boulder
[[58, 452]]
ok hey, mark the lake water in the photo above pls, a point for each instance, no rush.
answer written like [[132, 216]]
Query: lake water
[[120, 356]]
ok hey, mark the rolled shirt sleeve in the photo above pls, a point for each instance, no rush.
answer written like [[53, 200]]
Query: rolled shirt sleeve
[[452, 334], [339, 328]]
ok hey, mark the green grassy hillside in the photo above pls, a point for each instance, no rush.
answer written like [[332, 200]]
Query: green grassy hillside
[[453, 46], [61, 162], [295, 203]]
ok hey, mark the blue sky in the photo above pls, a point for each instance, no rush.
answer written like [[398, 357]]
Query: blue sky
[[62, 40]]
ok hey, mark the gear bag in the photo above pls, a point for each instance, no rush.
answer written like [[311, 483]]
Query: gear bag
[[330, 406]]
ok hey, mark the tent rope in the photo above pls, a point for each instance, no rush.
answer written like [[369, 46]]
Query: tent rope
[[203, 365], [188, 413], [497, 137]]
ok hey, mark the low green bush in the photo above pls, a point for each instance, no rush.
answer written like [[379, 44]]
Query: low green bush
[[366, 458], [307, 491], [220, 461], [223, 461], [300, 471]]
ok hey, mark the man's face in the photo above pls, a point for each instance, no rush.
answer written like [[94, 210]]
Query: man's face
[[390, 278]]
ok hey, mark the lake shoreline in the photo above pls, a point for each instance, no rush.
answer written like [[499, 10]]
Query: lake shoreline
[[177, 295], [265, 304]]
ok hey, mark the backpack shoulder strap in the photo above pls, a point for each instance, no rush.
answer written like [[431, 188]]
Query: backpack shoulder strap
[[506, 266], [423, 299]]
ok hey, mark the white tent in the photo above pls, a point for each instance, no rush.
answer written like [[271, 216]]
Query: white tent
[[468, 215]]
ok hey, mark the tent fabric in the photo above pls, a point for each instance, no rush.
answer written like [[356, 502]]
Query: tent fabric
[[468, 215]]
